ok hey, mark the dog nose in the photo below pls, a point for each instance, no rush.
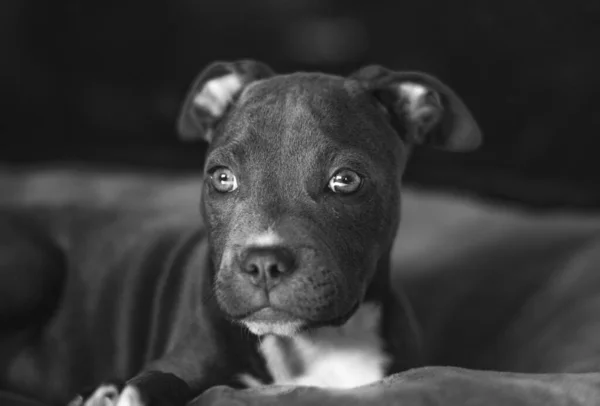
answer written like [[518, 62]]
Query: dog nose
[[267, 266]]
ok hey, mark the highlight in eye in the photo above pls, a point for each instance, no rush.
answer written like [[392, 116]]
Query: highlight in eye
[[223, 180], [345, 181]]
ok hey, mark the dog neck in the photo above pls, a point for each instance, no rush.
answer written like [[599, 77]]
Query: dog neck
[[347, 356], [365, 349]]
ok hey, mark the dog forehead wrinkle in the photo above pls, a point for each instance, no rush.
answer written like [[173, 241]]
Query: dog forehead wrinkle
[[286, 110], [300, 84], [295, 94], [284, 115]]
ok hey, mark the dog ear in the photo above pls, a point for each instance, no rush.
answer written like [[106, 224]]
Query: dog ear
[[212, 93], [422, 109]]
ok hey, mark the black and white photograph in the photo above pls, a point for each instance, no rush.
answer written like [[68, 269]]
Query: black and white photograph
[[299, 203]]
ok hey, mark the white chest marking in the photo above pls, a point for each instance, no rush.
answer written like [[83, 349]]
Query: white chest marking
[[335, 357]]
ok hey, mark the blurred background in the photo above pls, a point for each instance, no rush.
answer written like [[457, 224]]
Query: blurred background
[[101, 82]]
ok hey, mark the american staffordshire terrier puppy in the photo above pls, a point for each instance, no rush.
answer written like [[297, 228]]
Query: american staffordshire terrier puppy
[[284, 296], [300, 202], [290, 284]]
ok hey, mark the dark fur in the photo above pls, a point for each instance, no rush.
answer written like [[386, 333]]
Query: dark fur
[[143, 292], [148, 292], [337, 241]]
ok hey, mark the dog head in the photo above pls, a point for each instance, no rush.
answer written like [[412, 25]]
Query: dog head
[[302, 188]]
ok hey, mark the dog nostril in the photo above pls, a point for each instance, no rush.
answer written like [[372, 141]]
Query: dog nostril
[[253, 270], [274, 271]]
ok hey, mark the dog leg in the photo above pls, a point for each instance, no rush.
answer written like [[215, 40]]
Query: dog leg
[[151, 388]]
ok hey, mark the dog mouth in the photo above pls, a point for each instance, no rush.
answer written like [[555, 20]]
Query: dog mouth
[[260, 329], [271, 321]]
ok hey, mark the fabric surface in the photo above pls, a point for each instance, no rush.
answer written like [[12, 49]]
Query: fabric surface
[[481, 252]]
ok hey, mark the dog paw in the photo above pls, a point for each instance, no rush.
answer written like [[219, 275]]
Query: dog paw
[[130, 396], [111, 395]]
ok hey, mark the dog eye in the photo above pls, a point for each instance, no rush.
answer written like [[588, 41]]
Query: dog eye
[[345, 181], [223, 180]]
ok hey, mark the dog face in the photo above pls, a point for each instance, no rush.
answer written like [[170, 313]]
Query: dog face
[[294, 186], [302, 184]]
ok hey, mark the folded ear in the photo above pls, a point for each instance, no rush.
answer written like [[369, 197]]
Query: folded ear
[[212, 93], [422, 109]]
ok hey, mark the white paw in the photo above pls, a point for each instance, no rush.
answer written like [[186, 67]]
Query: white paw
[[130, 397], [108, 395], [105, 395]]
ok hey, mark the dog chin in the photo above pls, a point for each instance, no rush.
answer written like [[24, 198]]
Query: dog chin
[[286, 329]]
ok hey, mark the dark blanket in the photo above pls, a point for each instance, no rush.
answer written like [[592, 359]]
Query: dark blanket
[[483, 280]]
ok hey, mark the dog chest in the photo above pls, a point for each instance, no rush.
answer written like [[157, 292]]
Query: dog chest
[[348, 356]]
